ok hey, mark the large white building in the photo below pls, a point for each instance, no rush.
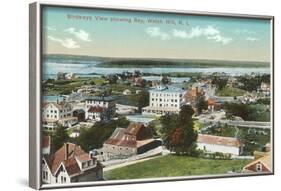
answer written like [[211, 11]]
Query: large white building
[[164, 99], [57, 113]]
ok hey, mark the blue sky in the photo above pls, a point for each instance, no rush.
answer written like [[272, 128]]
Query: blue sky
[[185, 36]]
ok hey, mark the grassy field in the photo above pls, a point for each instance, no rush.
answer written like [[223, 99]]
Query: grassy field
[[230, 91], [171, 166]]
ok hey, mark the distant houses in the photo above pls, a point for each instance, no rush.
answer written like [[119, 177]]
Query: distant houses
[[226, 145], [57, 113], [65, 76], [265, 88], [70, 164], [163, 100]]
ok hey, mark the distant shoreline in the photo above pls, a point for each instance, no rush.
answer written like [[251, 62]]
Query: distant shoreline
[[110, 62]]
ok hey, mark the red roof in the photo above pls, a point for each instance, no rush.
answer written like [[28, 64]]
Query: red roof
[[120, 138], [67, 155], [96, 109], [134, 128], [218, 140]]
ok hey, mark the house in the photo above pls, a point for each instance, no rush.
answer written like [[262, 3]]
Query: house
[[106, 102], [135, 139], [61, 76], [163, 100], [70, 76], [96, 113], [262, 162], [70, 164], [265, 88], [127, 92], [214, 104], [46, 145], [226, 145], [80, 114], [57, 113]]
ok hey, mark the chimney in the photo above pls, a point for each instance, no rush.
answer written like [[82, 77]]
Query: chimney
[[66, 151]]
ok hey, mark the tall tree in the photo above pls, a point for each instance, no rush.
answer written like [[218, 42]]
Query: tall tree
[[178, 132], [201, 104], [59, 137]]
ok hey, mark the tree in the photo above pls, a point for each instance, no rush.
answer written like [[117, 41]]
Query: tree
[[165, 80], [201, 104], [178, 132], [219, 82], [94, 137], [141, 99], [59, 137]]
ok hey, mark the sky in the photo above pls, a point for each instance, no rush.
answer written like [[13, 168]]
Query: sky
[[113, 33]]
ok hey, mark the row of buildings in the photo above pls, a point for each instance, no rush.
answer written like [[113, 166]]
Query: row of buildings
[[68, 114]]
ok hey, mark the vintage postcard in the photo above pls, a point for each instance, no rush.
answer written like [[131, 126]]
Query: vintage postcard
[[145, 95]]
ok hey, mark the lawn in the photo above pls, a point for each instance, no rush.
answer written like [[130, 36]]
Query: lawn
[[172, 165], [230, 91]]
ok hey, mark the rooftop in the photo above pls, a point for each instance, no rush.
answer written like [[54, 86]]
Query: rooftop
[[97, 98], [218, 140], [67, 156], [167, 89]]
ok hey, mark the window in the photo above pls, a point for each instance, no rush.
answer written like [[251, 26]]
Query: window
[[259, 167]]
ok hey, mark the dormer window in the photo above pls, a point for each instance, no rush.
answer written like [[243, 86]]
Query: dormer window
[[259, 167]]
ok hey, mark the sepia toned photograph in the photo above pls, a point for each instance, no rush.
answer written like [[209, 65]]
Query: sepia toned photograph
[[130, 95]]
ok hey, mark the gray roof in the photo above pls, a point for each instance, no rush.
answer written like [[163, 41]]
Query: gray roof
[[97, 98], [168, 89]]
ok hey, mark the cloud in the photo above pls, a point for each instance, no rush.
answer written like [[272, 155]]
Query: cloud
[[157, 33], [79, 34], [67, 42], [244, 31], [50, 28], [219, 38], [252, 39], [209, 32]]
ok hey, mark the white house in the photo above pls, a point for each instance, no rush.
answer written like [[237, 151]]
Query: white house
[[54, 113], [226, 145], [265, 88], [164, 99], [96, 113], [70, 164], [127, 92], [101, 108]]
